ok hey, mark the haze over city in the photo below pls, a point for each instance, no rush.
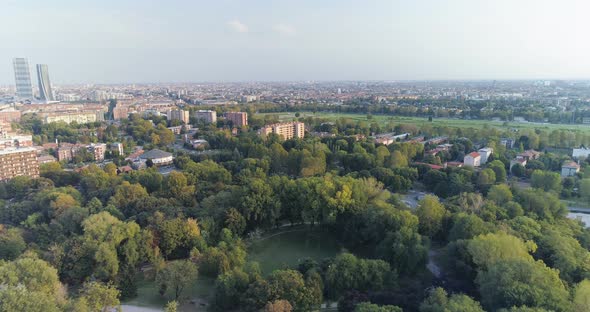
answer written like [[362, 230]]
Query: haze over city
[[192, 41]]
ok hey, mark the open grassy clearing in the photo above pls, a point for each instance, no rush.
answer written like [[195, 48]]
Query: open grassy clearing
[[287, 248], [436, 122]]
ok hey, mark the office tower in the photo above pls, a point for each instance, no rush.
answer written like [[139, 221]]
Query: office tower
[[239, 119], [22, 77], [287, 130], [206, 116], [45, 91]]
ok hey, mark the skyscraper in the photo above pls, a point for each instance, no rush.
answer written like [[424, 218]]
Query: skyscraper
[[45, 92], [22, 77]]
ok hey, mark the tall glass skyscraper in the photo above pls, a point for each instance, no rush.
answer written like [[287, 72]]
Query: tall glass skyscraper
[[22, 77], [45, 91]]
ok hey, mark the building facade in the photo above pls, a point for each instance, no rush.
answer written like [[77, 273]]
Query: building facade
[[287, 130], [98, 150], [179, 114], [207, 116], [570, 169], [22, 78], [472, 159], [239, 119], [81, 117], [9, 116], [45, 90], [485, 153], [18, 162]]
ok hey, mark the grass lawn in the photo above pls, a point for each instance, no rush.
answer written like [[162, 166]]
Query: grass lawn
[[148, 295], [287, 248], [449, 122]]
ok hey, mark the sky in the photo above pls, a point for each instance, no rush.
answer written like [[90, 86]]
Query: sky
[[153, 41]]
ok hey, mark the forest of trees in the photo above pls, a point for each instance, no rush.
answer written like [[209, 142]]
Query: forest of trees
[[77, 240]]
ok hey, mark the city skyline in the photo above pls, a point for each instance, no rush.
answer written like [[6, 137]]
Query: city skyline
[[45, 90], [229, 41]]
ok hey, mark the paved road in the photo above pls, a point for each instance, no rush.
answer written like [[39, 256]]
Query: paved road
[[132, 308]]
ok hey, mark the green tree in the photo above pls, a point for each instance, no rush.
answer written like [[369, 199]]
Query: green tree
[[176, 276], [499, 170], [99, 296], [582, 296], [370, 307], [18, 298], [12, 243], [171, 306], [439, 301], [500, 194], [547, 181], [522, 282], [34, 274], [490, 248], [430, 213]]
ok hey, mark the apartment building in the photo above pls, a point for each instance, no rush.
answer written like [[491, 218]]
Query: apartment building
[[179, 114], [239, 119], [16, 162], [98, 150], [207, 116], [287, 130]]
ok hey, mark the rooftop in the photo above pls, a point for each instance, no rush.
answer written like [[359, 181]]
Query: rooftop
[[155, 154]]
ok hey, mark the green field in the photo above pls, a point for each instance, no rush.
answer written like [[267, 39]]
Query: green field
[[288, 248], [449, 122]]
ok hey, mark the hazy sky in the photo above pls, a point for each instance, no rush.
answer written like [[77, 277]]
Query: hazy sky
[[109, 41]]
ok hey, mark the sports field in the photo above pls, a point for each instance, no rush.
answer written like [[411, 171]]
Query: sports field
[[448, 122]]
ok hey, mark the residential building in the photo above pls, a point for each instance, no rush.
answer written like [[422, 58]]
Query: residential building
[[485, 153], [249, 98], [45, 90], [45, 159], [118, 148], [582, 152], [179, 114], [22, 77], [239, 119], [79, 117], [508, 142], [66, 151], [472, 159], [8, 116], [207, 116], [98, 150], [120, 112], [570, 169], [16, 162], [158, 157], [15, 141], [287, 130]]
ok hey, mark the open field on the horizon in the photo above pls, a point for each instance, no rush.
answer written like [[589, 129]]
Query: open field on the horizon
[[436, 122]]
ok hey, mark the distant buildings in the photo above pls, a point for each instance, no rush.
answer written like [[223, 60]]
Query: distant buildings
[[22, 77], [179, 114], [79, 117], [389, 138], [8, 116], [472, 159], [239, 119], [524, 157], [570, 169], [250, 98], [45, 90], [207, 116], [287, 130]]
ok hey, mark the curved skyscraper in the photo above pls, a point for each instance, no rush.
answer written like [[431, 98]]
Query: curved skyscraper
[[45, 92], [22, 78]]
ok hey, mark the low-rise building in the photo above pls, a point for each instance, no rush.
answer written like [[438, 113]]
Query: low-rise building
[[570, 169], [580, 153], [118, 148], [485, 153], [472, 159], [508, 142], [158, 157]]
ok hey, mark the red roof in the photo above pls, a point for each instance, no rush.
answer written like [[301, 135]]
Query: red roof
[[474, 154]]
